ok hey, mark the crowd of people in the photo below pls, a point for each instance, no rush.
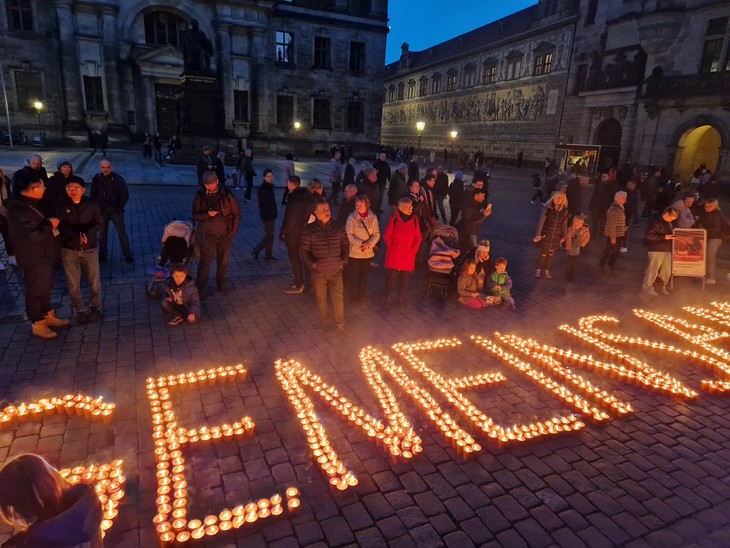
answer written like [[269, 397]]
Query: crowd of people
[[384, 213]]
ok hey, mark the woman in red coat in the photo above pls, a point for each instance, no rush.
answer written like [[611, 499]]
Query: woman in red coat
[[403, 237]]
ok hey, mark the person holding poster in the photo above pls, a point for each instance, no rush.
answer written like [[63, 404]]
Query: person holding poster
[[658, 240]]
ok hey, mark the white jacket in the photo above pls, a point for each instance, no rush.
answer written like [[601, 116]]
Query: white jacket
[[362, 230]]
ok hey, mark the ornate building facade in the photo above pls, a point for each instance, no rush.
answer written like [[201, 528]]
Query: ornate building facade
[[641, 81], [293, 74]]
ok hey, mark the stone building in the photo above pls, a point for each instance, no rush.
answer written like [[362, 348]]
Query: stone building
[[500, 87], [114, 67]]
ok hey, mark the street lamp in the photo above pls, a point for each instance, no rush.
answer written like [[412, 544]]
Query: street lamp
[[454, 133], [38, 107], [420, 126], [297, 127]]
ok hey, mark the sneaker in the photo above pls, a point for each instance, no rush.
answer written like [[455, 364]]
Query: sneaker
[[710, 281], [546, 274], [537, 273], [177, 320], [650, 291], [12, 261], [624, 250], [294, 289]]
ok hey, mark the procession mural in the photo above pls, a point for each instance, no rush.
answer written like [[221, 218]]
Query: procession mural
[[524, 104]]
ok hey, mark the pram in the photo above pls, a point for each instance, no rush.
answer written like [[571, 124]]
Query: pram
[[178, 245], [444, 242]]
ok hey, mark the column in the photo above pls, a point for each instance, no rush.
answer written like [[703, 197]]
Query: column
[[223, 35], [114, 95], [73, 91]]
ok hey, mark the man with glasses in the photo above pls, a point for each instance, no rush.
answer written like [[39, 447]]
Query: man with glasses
[[110, 191]]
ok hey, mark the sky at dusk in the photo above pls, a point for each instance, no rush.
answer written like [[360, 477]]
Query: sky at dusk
[[429, 22]]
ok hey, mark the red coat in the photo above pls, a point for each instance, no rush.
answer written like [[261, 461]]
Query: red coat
[[403, 240]]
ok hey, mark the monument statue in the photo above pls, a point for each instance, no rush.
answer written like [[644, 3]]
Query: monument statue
[[196, 50]]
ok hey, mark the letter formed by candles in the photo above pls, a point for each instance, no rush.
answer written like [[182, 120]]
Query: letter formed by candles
[[451, 389], [108, 478], [170, 438]]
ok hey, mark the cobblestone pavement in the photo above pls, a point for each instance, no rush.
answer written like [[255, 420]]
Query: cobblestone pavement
[[656, 476]]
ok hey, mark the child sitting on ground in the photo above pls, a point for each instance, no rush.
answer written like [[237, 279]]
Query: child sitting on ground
[[182, 300], [578, 236], [500, 283], [469, 287]]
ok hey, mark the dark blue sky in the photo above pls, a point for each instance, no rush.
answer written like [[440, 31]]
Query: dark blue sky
[[428, 22]]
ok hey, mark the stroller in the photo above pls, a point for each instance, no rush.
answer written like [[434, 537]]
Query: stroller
[[178, 245], [444, 243]]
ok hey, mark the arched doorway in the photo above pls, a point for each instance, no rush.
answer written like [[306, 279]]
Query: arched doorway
[[700, 145], [608, 135]]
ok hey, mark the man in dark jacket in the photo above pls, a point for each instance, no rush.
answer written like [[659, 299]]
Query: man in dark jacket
[[384, 174], [325, 249], [475, 211], [397, 187], [369, 187], [80, 223], [601, 200], [245, 166], [110, 191], [31, 172], [440, 190], [292, 226], [206, 162], [347, 206], [33, 238], [268, 212], [56, 186], [218, 215], [456, 196], [658, 240]]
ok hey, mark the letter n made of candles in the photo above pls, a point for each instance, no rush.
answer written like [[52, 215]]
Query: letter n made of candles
[[107, 478]]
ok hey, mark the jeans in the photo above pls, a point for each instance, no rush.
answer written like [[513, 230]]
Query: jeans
[[610, 253], [659, 267], [75, 262], [267, 242], [332, 284], [38, 285], [358, 270], [440, 204], [220, 247], [292, 249], [546, 259], [713, 245], [117, 218]]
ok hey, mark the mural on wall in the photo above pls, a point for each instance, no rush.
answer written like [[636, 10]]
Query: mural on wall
[[525, 104]]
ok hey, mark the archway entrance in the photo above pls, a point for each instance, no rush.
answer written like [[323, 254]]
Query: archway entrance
[[700, 145], [608, 135]]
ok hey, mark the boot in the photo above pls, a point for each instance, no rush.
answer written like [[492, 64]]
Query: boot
[[41, 329], [52, 321]]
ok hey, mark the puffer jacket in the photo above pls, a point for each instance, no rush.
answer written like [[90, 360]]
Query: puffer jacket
[[503, 280], [230, 210], [31, 234], [77, 526], [361, 230], [77, 219], [190, 295], [403, 239], [615, 222], [324, 248], [553, 225]]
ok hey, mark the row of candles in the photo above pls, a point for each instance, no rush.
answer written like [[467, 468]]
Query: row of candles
[[538, 354], [450, 388], [588, 333], [171, 521], [76, 405], [108, 480]]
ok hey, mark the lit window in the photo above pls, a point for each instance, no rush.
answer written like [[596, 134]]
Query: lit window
[[283, 50], [490, 74], [543, 63], [451, 82]]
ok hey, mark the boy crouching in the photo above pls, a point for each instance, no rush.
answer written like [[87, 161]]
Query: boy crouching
[[182, 301]]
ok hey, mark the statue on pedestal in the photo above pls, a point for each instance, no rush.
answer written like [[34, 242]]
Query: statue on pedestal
[[196, 50]]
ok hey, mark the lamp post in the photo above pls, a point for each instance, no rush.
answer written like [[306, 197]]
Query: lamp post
[[454, 133], [420, 126], [297, 127], [38, 107]]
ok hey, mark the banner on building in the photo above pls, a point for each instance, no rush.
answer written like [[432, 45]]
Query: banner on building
[[689, 252]]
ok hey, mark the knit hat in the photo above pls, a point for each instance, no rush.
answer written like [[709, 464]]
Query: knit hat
[[63, 162], [459, 175], [402, 166]]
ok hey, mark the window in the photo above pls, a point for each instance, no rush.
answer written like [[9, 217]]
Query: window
[[131, 118], [451, 81], [20, 14], [717, 26], [29, 88], [355, 117], [514, 66], [712, 57], [411, 89], [470, 76], [490, 73], [240, 105], [357, 56], [436, 83], [284, 53], [93, 93], [591, 13], [162, 28], [401, 91], [285, 110], [581, 77], [391, 94], [543, 63], [321, 52], [321, 113], [423, 87]]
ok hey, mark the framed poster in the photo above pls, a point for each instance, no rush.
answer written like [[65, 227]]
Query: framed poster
[[689, 252]]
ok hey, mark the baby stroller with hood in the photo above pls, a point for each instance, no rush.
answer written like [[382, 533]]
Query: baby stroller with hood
[[444, 244], [178, 246]]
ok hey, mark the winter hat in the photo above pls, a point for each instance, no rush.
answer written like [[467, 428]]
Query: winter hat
[[79, 181], [402, 166], [459, 175], [63, 162]]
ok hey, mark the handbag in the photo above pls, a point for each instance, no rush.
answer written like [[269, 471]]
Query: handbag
[[376, 247]]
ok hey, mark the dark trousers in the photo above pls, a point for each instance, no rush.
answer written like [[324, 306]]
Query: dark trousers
[[440, 205], [292, 249], [173, 310], [249, 187], [358, 270], [220, 248], [571, 266], [267, 242], [610, 253], [158, 154], [598, 218], [403, 277], [331, 284], [5, 233], [455, 210], [116, 217], [336, 187], [38, 285]]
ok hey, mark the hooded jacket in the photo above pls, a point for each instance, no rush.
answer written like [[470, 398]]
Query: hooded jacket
[[56, 188], [77, 526]]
